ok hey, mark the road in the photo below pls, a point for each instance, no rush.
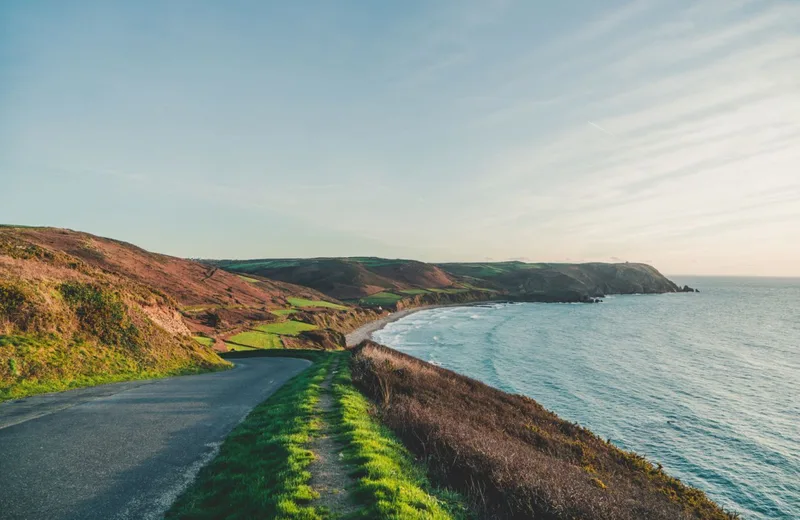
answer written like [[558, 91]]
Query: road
[[127, 450]]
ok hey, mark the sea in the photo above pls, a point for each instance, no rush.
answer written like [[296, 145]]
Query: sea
[[707, 384]]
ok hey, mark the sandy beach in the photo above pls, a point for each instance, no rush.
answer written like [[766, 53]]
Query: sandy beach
[[365, 331]]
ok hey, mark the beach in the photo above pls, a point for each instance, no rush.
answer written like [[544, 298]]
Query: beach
[[365, 331]]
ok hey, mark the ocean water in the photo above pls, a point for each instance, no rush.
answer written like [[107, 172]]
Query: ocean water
[[707, 384]]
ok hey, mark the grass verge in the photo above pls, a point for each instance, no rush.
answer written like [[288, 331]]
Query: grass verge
[[390, 484], [39, 364], [29, 388], [261, 469]]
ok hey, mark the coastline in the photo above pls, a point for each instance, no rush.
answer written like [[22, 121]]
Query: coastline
[[365, 331]]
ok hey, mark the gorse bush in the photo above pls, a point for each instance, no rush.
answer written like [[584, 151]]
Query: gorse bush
[[11, 299], [102, 313], [15, 307]]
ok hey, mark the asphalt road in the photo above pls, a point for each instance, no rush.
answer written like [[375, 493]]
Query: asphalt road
[[127, 450]]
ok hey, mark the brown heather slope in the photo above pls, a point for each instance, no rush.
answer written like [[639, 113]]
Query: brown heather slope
[[346, 278], [67, 322], [509, 455], [209, 298]]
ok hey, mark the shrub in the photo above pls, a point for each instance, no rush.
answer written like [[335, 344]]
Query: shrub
[[101, 313]]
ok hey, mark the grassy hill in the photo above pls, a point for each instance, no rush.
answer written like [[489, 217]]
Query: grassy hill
[[66, 322], [77, 309], [554, 281], [347, 278], [382, 282]]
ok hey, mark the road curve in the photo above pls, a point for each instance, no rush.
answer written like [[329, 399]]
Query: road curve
[[127, 450]]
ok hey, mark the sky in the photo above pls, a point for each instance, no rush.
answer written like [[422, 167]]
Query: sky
[[660, 131]]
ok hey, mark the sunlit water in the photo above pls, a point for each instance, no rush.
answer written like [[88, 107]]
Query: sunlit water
[[706, 384]]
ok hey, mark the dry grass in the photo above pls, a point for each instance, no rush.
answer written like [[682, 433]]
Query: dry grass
[[513, 458]]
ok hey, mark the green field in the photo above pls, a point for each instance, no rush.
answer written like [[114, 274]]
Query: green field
[[249, 266], [414, 291], [206, 342], [381, 298], [302, 302], [286, 328], [371, 261], [487, 270], [283, 312], [255, 339], [247, 278]]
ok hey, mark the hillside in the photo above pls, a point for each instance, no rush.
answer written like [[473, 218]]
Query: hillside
[[208, 297], [511, 457], [564, 282], [399, 283], [348, 278], [65, 322], [77, 309]]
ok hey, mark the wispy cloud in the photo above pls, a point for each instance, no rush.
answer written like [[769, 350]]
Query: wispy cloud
[[601, 128], [659, 129]]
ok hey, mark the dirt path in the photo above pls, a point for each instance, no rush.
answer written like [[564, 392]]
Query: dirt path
[[329, 474]]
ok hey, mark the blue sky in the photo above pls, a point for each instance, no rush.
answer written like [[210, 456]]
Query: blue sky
[[657, 130]]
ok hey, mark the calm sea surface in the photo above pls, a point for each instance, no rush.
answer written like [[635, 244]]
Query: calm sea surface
[[706, 384]]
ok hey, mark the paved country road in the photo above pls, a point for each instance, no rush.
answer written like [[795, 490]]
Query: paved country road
[[127, 450]]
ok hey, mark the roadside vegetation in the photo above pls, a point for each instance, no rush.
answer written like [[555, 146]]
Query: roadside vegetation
[[60, 335], [263, 469], [509, 455], [390, 484]]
